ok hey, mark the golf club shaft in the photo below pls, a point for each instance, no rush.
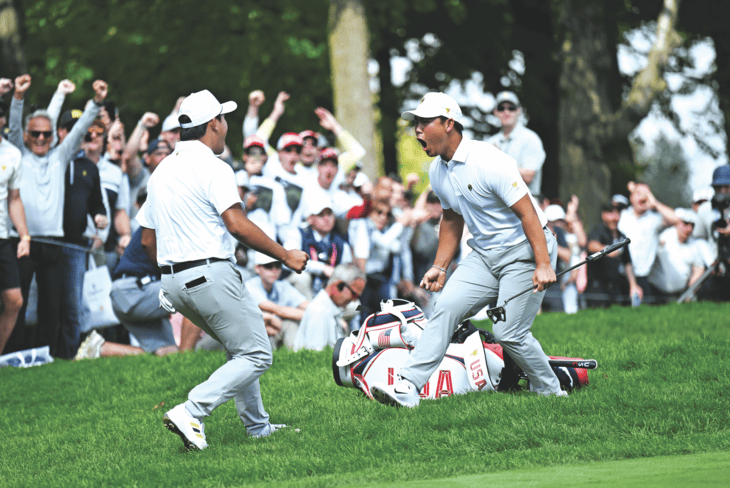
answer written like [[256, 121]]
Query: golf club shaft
[[592, 257], [574, 363]]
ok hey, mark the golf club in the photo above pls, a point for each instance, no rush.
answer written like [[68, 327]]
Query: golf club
[[498, 314]]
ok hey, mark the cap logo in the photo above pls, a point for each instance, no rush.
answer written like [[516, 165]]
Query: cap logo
[[422, 99], [76, 113], [447, 109]]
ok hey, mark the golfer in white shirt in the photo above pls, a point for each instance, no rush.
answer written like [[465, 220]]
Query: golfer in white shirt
[[191, 220]]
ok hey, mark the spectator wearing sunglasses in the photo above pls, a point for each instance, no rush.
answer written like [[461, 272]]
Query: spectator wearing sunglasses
[[679, 262], [642, 222], [323, 323], [518, 141], [42, 192]]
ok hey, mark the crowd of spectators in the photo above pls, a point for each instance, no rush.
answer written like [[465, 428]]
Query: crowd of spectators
[[73, 182]]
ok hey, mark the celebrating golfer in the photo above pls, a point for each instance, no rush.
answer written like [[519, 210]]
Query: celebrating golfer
[[481, 186], [192, 214]]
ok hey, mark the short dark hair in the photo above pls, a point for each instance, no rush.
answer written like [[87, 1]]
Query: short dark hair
[[193, 133]]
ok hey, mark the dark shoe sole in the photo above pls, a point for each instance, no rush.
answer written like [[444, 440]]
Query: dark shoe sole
[[170, 425], [384, 398]]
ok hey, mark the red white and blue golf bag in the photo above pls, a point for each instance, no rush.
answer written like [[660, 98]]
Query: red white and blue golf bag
[[473, 361]]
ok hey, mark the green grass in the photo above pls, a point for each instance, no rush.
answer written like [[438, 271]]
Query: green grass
[[662, 389]]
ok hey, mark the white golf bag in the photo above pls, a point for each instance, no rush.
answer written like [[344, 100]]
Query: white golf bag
[[376, 352]]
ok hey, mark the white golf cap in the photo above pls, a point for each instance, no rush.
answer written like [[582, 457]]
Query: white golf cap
[[686, 215], [435, 104], [262, 259], [554, 212], [507, 96], [170, 123], [203, 107], [316, 204], [703, 194]]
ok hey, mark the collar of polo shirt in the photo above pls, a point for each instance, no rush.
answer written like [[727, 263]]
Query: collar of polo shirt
[[203, 107]]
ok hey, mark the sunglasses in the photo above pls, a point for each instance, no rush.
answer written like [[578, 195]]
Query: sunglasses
[[275, 265], [91, 134], [37, 133], [296, 149], [341, 287], [255, 152], [502, 107]]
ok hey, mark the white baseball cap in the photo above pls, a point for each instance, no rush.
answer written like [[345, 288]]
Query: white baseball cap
[[686, 215], [203, 107], [435, 104], [507, 96], [554, 212], [317, 203], [170, 123], [262, 259], [703, 194]]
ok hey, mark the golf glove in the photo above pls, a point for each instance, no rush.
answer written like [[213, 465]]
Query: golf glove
[[165, 303]]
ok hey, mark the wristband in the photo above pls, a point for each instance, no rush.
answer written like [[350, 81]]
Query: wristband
[[25, 237], [441, 269]]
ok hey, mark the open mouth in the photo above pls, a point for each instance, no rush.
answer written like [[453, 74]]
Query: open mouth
[[423, 143]]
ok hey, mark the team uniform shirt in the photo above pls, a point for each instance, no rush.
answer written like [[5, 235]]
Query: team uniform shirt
[[10, 173], [316, 264], [644, 234], [282, 293], [187, 194], [526, 148], [481, 183], [674, 262], [83, 200], [42, 183]]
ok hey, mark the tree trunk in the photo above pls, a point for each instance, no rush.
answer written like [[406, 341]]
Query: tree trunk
[[594, 132], [12, 63], [353, 101]]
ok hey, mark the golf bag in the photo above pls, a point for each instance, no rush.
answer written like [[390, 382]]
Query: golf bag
[[473, 361]]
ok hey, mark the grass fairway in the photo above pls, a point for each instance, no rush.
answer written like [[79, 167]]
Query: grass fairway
[[657, 411]]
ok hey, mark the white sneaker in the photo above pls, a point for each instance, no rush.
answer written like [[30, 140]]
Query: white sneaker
[[91, 347], [190, 430], [403, 393], [268, 430]]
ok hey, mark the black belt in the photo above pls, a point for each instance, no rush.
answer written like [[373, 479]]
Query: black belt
[[176, 268], [141, 280]]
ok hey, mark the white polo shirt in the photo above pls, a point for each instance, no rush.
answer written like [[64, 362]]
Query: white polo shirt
[[644, 234], [525, 146], [186, 196], [10, 172], [481, 183], [674, 262]]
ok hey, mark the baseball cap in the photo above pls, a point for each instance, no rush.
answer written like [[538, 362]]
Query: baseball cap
[[262, 259], [507, 96], [686, 215], [620, 201], [253, 140], [554, 212], [310, 133], [289, 139], [703, 194], [315, 205], [152, 147], [360, 179], [202, 107], [436, 104], [69, 118], [170, 123], [328, 153], [721, 175]]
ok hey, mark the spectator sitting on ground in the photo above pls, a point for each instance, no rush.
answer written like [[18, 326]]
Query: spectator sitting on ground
[[323, 324], [642, 222], [135, 300], [611, 279], [282, 305], [326, 247], [679, 261], [42, 193]]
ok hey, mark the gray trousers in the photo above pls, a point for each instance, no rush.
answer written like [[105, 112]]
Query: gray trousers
[[482, 278], [224, 309]]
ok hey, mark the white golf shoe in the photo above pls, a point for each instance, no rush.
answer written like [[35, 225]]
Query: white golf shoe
[[268, 430], [190, 430], [91, 347], [402, 393]]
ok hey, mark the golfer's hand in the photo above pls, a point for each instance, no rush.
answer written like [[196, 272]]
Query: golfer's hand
[[433, 280], [543, 276], [296, 260]]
